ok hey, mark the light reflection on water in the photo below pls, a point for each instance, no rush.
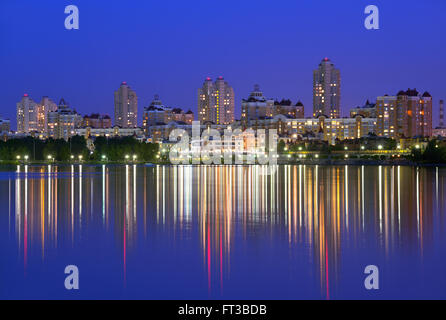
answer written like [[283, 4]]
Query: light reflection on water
[[314, 220]]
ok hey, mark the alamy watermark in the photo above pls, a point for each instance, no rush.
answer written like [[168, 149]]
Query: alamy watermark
[[72, 20], [72, 280], [371, 22], [371, 282], [235, 147]]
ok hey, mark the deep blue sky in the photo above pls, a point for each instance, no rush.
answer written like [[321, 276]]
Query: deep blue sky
[[169, 47]]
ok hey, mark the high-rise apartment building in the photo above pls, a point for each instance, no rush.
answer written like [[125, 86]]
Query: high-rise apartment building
[[126, 107], [407, 114], [63, 122], [216, 102], [256, 106], [27, 115], [441, 124], [45, 106], [156, 114], [326, 90]]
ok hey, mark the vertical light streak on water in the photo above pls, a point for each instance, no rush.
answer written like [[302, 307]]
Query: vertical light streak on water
[[295, 203], [72, 204], [9, 207], [392, 202], [380, 201], [176, 193], [42, 211], [164, 194], [418, 202], [271, 193], [103, 194], [316, 198], [181, 194], [399, 200], [18, 218], [300, 196], [134, 193], [127, 205], [304, 173], [25, 222], [362, 197], [436, 192], [286, 193], [346, 196], [49, 193], [80, 195], [157, 193]]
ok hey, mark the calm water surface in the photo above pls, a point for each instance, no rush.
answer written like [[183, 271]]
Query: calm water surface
[[222, 232]]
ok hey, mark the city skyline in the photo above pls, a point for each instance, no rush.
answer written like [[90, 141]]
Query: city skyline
[[286, 73]]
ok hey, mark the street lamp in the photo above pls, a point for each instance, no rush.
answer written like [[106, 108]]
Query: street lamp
[[26, 158], [80, 157], [346, 156], [127, 156], [18, 157], [103, 157], [316, 156], [380, 147], [345, 148], [362, 148]]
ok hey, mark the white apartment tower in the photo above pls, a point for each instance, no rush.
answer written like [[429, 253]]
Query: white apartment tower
[[216, 102], [27, 115], [126, 107], [326, 90]]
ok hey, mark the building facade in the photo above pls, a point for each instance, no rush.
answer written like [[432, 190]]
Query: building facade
[[326, 90], [63, 122], [97, 121], [406, 115], [126, 107], [368, 110], [286, 107], [256, 106], [5, 125], [27, 115], [216, 102]]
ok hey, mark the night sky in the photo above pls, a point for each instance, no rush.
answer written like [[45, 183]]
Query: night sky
[[169, 47]]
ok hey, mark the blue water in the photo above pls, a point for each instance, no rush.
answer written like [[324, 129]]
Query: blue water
[[222, 232]]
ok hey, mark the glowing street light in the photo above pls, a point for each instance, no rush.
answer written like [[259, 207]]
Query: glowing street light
[[380, 147], [127, 157], [18, 157], [345, 148], [316, 156], [362, 148], [80, 157], [346, 156], [26, 158]]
